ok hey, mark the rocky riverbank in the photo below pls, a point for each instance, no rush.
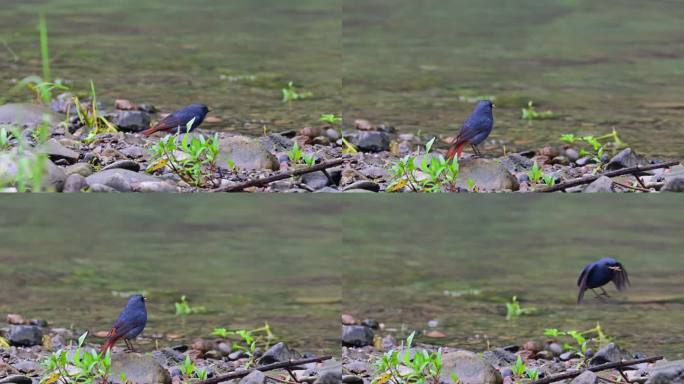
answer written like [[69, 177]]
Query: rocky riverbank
[[365, 343], [125, 161], [26, 347]]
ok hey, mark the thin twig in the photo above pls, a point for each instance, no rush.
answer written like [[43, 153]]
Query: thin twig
[[597, 368], [589, 179], [280, 176], [631, 187], [264, 368]]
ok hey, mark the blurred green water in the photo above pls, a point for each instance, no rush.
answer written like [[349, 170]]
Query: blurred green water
[[401, 255], [247, 260]]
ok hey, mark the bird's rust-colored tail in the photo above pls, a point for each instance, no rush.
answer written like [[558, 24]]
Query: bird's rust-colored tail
[[112, 338], [152, 130], [456, 149]]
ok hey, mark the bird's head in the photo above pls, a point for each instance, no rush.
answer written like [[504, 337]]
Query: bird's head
[[201, 108], [613, 264], [484, 106], [137, 298]]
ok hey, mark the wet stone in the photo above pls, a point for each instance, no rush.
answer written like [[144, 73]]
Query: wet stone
[[132, 121], [25, 335], [123, 164], [277, 353], [587, 377], [356, 336]]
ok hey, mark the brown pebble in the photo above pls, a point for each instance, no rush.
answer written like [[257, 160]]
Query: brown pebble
[[363, 125], [125, 105], [348, 319], [435, 334], [16, 319]]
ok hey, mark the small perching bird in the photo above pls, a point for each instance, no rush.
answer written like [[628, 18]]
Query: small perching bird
[[177, 122], [129, 325], [475, 130], [599, 273]]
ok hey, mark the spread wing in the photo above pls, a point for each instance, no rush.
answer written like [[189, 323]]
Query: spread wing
[[621, 279], [582, 281]]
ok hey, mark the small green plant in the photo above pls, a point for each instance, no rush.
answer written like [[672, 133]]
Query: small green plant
[[331, 119], [438, 173], [30, 167], [597, 337], [397, 367], [521, 370], [549, 180], [5, 136], [183, 307], [90, 117], [297, 156], [529, 113], [514, 309], [291, 94], [196, 162], [249, 340], [535, 173], [594, 146], [190, 371], [79, 366]]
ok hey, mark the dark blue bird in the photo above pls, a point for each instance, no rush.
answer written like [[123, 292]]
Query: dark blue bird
[[178, 120], [600, 273], [475, 129], [130, 324]]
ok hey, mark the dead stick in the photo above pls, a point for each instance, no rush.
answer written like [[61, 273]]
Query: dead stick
[[597, 368], [264, 368], [619, 172], [280, 176]]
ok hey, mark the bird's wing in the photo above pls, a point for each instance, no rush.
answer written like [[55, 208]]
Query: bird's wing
[[582, 282], [170, 122], [472, 127], [621, 279]]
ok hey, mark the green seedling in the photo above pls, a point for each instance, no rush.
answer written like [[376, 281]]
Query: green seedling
[[529, 113], [535, 174], [437, 173], [193, 157], [248, 340], [291, 94], [183, 307], [331, 119], [397, 367], [79, 366], [190, 371], [594, 146], [515, 310]]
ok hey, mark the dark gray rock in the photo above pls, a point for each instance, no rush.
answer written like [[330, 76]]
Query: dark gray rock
[[364, 185], [16, 379], [277, 353], [329, 377], [554, 348], [352, 379], [624, 159], [565, 356], [154, 187], [56, 151], [516, 163], [25, 335], [119, 183], [28, 115], [499, 357], [370, 323], [83, 169], [133, 152], [101, 188], [372, 141], [356, 336], [139, 369], [667, 373], [74, 183], [316, 180], [104, 177], [132, 121], [247, 154], [123, 164], [587, 377], [488, 175], [274, 142], [609, 354], [255, 377], [601, 185], [469, 367], [673, 184]]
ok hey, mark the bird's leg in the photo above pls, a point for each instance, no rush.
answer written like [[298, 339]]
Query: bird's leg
[[129, 344], [599, 296], [604, 292], [477, 151]]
